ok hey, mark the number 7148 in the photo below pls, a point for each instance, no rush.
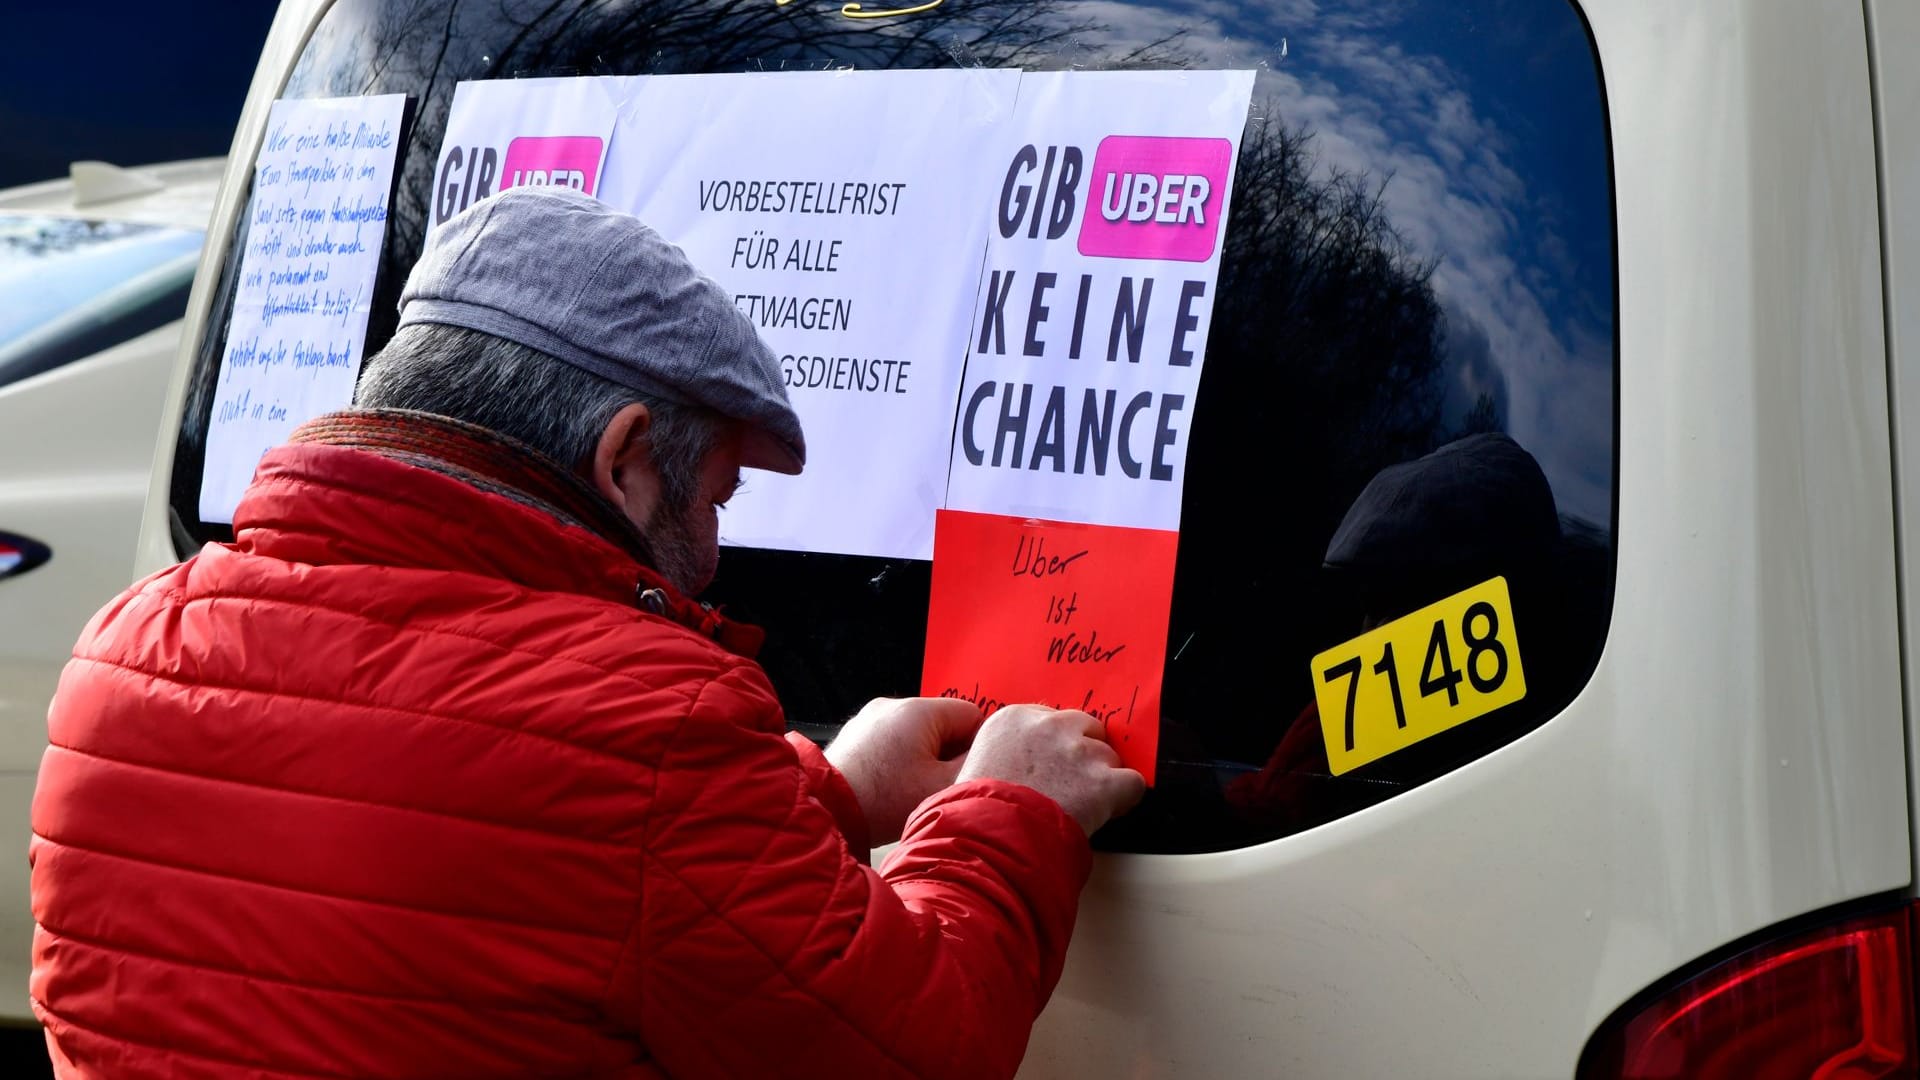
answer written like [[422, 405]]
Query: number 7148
[[1418, 675]]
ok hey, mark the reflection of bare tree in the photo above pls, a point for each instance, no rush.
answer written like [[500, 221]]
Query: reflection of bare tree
[[1327, 326], [1323, 296], [1324, 365]]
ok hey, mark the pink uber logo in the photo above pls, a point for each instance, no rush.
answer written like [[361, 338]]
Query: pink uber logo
[[566, 160], [1156, 198]]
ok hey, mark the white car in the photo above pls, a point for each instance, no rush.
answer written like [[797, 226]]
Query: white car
[[1672, 252], [94, 276]]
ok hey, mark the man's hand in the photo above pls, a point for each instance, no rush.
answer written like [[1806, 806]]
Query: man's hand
[[1062, 754], [898, 751]]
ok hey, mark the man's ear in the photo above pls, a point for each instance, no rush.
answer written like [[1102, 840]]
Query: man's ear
[[620, 445]]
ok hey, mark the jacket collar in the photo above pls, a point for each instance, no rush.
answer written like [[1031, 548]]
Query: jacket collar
[[394, 488]]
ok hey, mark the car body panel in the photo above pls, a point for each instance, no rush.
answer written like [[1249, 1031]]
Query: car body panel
[[1897, 105], [75, 450], [75, 444]]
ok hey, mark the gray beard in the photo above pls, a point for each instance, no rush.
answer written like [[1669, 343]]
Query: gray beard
[[672, 543]]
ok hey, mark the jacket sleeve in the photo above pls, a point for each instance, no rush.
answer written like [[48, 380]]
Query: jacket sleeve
[[826, 784], [762, 947]]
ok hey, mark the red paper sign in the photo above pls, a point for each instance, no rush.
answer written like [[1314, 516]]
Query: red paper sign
[[1049, 612]]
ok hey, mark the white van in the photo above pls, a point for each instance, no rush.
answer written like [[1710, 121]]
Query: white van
[[95, 271], [1672, 253]]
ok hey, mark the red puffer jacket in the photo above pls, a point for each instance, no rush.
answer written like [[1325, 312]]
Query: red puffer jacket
[[404, 784]]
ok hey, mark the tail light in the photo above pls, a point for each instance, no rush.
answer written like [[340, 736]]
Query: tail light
[[1836, 1003]]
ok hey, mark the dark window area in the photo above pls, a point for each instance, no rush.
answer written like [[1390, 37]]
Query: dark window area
[[75, 287], [1410, 384]]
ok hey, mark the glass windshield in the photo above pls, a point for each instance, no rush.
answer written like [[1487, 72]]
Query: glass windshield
[[1409, 387]]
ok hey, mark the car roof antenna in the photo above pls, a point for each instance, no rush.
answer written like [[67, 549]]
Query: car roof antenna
[[98, 182]]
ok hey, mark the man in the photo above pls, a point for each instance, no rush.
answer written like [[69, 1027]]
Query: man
[[437, 770]]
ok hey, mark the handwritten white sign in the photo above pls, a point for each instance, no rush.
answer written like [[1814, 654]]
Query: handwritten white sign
[[317, 222]]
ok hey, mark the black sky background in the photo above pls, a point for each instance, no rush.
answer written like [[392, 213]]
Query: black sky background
[[130, 83]]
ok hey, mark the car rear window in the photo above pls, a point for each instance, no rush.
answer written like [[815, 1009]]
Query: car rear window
[[76, 286], [1405, 436]]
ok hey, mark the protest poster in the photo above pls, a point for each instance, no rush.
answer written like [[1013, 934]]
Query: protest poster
[[849, 246], [840, 210], [1108, 216], [1026, 611], [316, 225], [1083, 371], [523, 133]]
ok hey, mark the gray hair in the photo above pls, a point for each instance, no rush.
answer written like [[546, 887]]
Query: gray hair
[[552, 406]]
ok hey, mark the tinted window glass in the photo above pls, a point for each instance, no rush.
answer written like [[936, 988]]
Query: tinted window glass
[[1410, 381], [75, 287]]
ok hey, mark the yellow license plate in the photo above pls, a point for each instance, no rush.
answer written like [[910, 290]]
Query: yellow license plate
[[1418, 675]]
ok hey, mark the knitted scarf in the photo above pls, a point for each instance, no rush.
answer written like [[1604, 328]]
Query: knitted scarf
[[483, 458]]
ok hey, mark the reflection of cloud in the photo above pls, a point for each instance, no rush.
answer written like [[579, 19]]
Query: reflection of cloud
[[1471, 374], [1457, 189]]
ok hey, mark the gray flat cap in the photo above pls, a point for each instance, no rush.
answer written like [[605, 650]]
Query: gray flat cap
[[562, 272]]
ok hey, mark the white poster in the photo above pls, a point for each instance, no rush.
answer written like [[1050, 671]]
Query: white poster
[[319, 218], [520, 133], [1107, 214], [838, 209]]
